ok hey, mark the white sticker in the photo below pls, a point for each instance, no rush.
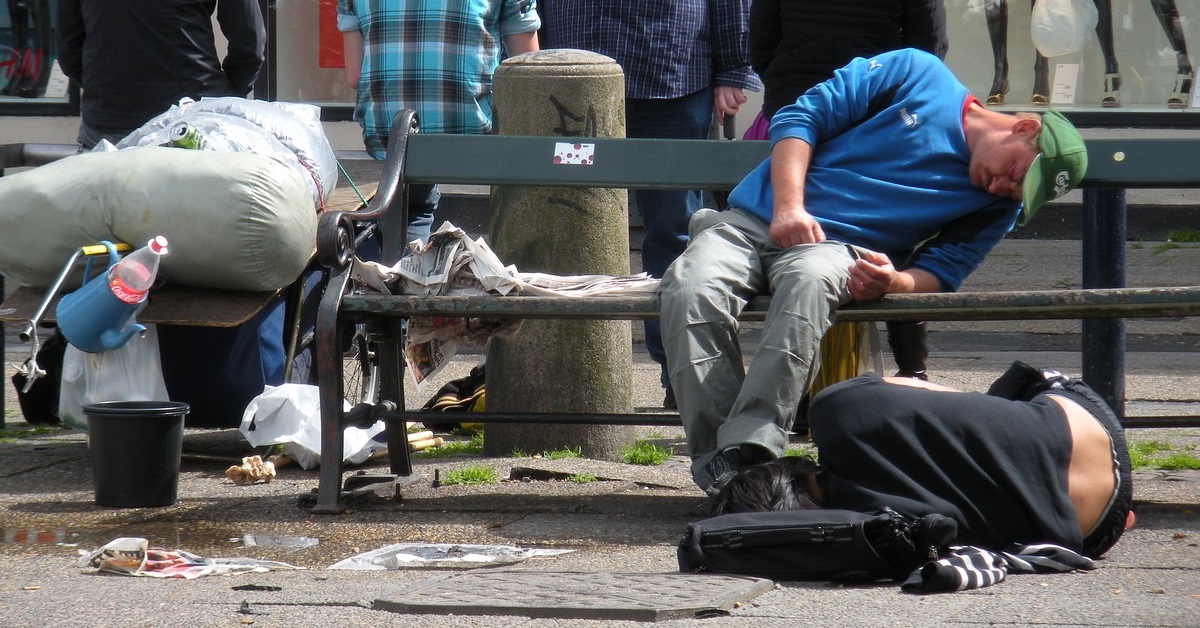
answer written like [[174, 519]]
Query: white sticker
[[1066, 77], [574, 154]]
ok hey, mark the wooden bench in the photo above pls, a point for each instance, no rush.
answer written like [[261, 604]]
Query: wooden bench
[[668, 164]]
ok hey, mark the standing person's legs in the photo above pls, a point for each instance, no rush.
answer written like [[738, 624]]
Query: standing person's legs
[[423, 200], [910, 351], [665, 213], [422, 203], [89, 137]]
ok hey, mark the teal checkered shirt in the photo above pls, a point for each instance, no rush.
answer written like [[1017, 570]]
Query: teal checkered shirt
[[434, 56]]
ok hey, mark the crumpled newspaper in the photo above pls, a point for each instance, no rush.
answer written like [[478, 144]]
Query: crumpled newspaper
[[132, 556], [441, 555], [451, 263]]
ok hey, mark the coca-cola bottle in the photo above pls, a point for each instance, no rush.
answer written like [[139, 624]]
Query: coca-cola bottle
[[130, 279]]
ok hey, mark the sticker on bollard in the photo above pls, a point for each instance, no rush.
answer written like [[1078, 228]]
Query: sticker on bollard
[[136, 446]]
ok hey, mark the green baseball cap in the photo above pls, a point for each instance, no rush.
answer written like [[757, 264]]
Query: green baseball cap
[[1059, 166]]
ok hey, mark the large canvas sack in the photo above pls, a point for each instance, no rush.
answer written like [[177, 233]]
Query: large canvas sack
[[236, 221]]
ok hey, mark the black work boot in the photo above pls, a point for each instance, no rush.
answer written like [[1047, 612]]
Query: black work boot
[[907, 340]]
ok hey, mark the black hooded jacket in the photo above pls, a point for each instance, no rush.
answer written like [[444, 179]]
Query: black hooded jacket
[[133, 59], [795, 44]]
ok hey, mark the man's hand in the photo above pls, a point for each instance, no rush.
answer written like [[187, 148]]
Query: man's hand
[[791, 224], [726, 101], [872, 276], [795, 227]]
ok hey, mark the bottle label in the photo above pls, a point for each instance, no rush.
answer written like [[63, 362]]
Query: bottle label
[[125, 293]]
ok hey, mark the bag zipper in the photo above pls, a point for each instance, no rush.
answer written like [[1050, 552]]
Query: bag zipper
[[808, 535]]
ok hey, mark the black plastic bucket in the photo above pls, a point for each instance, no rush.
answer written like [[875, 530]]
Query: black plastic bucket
[[136, 446]]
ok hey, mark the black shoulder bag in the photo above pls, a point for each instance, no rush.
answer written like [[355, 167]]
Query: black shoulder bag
[[822, 544]]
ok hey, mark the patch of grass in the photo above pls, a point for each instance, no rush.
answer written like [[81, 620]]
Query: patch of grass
[[1164, 247], [454, 448], [1141, 452], [1183, 235], [561, 454], [1177, 461], [1156, 454], [471, 476], [13, 434], [646, 454], [582, 478], [517, 452]]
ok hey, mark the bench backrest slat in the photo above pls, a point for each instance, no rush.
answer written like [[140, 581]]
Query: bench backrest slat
[[1143, 163], [29, 155], [617, 163], [719, 164]]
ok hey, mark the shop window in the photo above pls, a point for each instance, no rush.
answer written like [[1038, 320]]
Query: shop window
[[1136, 60], [28, 73]]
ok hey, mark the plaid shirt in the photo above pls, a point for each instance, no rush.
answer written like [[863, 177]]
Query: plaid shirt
[[667, 48], [434, 56]]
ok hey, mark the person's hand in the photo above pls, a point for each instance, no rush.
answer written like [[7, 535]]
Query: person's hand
[[726, 101], [871, 276], [789, 228]]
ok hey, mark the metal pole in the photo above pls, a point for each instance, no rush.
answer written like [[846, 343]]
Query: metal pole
[[1104, 267]]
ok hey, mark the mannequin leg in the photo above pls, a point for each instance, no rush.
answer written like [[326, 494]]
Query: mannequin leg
[[44, 41], [1041, 81], [1112, 75], [1041, 75], [996, 12], [1168, 17], [18, 15]]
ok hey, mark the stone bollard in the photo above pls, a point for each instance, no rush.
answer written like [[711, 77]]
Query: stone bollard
[[560, 366]]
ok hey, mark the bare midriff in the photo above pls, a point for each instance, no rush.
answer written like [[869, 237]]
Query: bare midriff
[[1091, 475]]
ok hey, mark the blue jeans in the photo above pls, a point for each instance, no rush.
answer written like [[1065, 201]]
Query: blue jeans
[[423, 201], [88, 137], [665, 213]]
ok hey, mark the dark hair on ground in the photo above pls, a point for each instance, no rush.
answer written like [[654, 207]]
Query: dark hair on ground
[[775, 485]]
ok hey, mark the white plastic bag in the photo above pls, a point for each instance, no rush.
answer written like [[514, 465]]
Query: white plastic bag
[[1063, 27], [291, 132], [290, 415], [131, 373]]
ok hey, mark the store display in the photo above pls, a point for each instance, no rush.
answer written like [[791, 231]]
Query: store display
[[1054, 29]]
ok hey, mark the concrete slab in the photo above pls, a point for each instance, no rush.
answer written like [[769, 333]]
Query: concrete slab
[[577, 595]]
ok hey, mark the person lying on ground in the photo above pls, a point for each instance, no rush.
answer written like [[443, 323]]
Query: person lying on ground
[[1041, 458]]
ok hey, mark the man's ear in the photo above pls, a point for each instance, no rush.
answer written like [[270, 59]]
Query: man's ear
[[1027, 126]]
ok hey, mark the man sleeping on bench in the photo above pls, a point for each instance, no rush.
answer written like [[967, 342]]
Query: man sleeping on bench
[[890, 162]]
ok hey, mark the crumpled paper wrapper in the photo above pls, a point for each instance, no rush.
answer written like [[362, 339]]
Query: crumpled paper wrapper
[[253, 469]]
